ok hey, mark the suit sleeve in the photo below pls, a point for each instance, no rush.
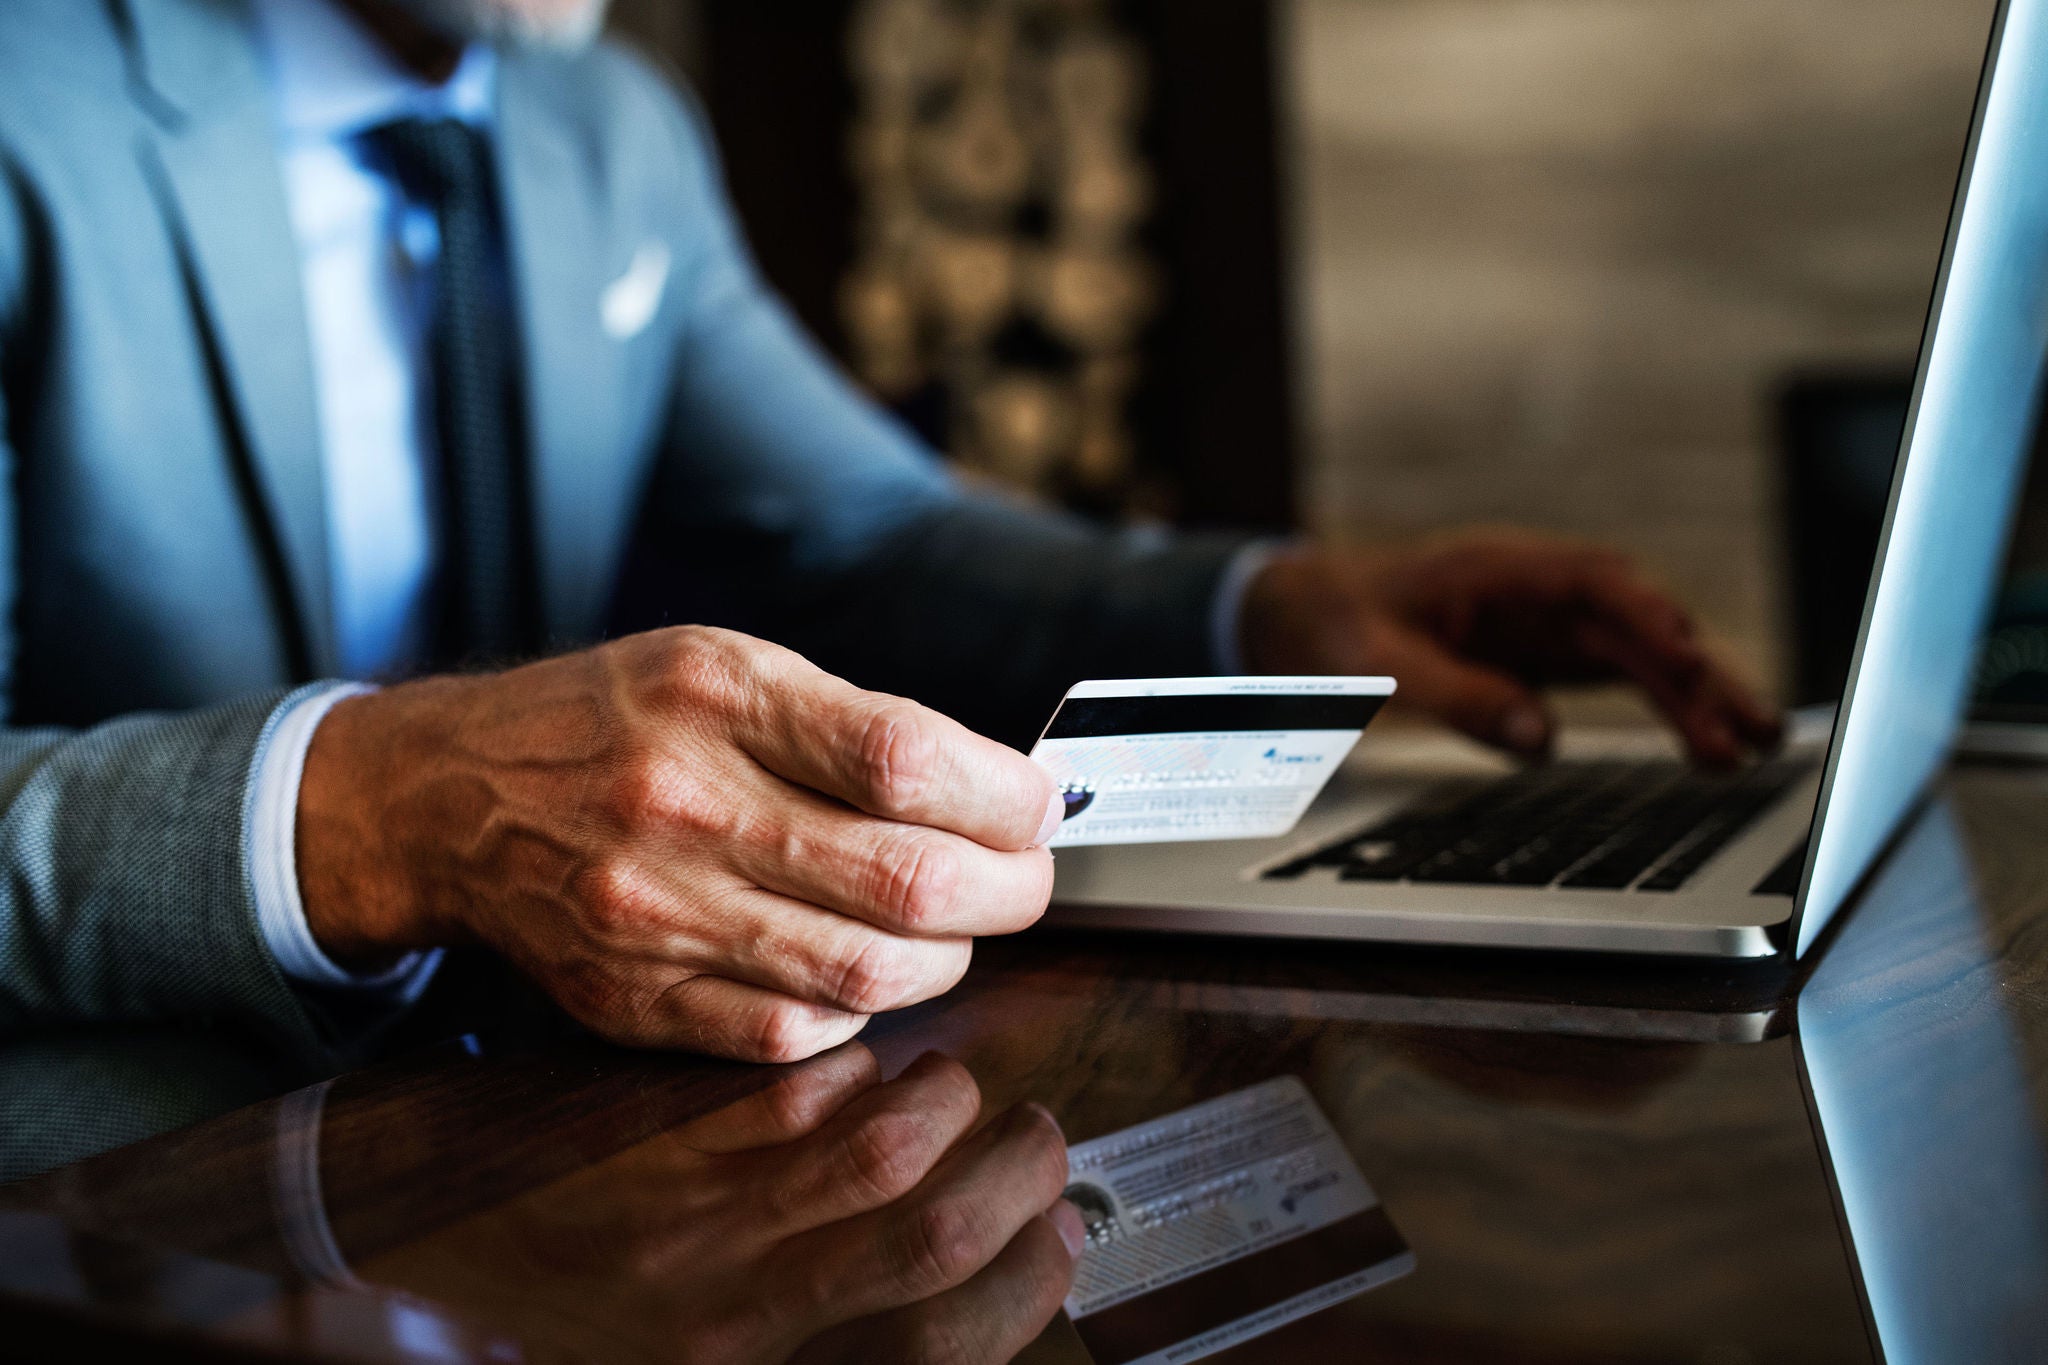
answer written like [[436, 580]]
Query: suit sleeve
[[125, 893], [790, 505]]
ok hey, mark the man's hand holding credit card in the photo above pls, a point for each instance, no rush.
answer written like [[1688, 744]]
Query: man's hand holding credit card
[[1154, 760]]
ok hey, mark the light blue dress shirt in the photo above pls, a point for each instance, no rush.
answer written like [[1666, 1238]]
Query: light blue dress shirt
[[366, 261], [366, 257]]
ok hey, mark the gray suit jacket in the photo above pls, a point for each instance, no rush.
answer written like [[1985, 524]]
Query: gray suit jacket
[[163, 576]]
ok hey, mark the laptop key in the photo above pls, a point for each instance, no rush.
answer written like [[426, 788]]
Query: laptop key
[[1754, 792], [1593, 825]]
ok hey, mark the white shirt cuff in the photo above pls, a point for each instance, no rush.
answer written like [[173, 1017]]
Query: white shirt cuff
[[1226, 612], [274, 868]]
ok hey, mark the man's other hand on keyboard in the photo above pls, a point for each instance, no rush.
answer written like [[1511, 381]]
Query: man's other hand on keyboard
[[1473, 625]]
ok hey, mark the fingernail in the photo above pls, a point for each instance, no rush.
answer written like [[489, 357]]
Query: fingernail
[[1067, 1219], [1525, 729], [1055, 811]]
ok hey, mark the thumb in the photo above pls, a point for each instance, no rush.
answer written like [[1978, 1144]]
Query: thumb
[[1486, 704]]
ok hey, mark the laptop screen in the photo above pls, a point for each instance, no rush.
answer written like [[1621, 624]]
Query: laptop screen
[[2012, 675], [1968, 433]]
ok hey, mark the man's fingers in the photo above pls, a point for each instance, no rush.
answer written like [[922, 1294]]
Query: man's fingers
[[1761, 725], [1715, 715], [990, 1318], [736, 1019], [878, 1149], [1733, 708], [905, 762], [1612, 585], [1489, 706], [802, 1099], [662, 938], [1650, 639], [1675, 693], [832, 960], [1606, 621], [945, 1231], [905, 878]]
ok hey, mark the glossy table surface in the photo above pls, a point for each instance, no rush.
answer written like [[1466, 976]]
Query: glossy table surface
[[1590, 1160]]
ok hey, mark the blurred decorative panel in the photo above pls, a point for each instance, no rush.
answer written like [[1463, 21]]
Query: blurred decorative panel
[[1558, 256], [1046, 232], [1001, 286]]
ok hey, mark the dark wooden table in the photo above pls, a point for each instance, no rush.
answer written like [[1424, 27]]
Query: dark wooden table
[[1591, 1160]]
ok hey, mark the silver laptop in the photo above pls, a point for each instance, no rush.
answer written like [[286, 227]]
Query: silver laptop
[[1610, 850]]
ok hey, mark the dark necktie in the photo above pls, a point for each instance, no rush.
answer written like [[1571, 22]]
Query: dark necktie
[[488, 589]]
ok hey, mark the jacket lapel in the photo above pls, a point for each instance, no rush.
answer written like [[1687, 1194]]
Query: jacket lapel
[[214, 161], [560, 252]]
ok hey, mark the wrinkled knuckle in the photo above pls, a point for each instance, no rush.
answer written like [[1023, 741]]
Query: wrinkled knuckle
[[872, 978], [652, 794], [715, 670], [690, 809], [759, 661], [643, 790], [881, 1157], [785, 1032], [726, 646], [899, 756], [920, 882], [694, 639], [618, 896], [942, 1245], [694, 654]]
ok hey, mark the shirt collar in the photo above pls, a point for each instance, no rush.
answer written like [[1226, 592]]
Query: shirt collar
[[330, 80]]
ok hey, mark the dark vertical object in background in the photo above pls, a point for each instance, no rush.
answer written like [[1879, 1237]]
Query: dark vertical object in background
[[1839, 440], [776, 84], [1219, 408], [1214, 413]]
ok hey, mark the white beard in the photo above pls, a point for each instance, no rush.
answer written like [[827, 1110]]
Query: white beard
[[495, 21]]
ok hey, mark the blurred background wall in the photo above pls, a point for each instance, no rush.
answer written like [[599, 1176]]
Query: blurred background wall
[[1556, 257], [1372, 267]]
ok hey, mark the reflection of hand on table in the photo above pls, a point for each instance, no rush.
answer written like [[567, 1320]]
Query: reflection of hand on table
[[831, 1217]]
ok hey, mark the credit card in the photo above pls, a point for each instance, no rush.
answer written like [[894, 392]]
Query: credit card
[[1152, 760], [1220, 1223]]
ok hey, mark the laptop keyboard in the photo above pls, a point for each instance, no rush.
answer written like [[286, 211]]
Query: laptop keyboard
[[1605, 825]]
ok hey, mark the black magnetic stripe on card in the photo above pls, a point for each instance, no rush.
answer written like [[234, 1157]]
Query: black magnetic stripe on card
[[1095, 717], [1237, 1289]]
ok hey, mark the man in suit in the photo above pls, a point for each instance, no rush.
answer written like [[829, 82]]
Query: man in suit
[[351, 350]]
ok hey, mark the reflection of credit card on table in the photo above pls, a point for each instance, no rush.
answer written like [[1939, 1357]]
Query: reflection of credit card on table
[[1159, 759], [1219, 1223]]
